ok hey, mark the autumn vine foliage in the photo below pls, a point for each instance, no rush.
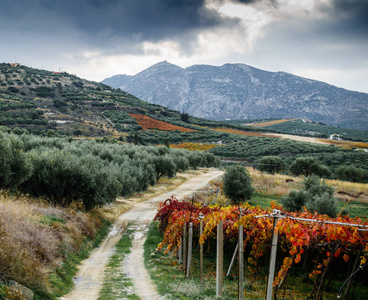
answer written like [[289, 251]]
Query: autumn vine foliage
[[296, 237], [149, 123]]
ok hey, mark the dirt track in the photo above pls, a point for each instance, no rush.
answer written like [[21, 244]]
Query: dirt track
[[90, 275], [298, 138]]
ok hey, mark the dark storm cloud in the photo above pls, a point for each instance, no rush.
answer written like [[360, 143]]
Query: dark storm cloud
[[151, 20], [351, 16]]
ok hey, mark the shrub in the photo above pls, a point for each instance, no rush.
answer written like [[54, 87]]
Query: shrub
[[78, 84], [352, 173], [237, 184], [315, 195], [315, 186], [323, 204], [295, 200], [271, 164], [13, 89], [44, 91]]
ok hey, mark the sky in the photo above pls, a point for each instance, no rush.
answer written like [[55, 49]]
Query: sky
[[325, 40]]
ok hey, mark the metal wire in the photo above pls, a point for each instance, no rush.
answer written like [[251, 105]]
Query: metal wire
[[347, 280]]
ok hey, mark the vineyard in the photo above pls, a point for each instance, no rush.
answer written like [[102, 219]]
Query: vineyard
[[194, 146], [269, 123], [325, 252], [345, 144], [149, 123]]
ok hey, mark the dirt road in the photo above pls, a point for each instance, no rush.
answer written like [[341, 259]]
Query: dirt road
[[298, 138], [90, 275]]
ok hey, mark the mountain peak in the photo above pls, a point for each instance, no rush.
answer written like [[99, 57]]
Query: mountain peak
[[164, 64], [239, 91]]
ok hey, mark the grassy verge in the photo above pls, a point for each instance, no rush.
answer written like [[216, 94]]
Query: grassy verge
[[61, 278], [116, 285], [40, 244], [171, 282]]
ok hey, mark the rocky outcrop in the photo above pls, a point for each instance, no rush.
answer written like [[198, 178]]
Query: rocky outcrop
[[26, 293]]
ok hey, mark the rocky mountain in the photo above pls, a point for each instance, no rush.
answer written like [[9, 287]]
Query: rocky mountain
[[117, 80], [238, 91]]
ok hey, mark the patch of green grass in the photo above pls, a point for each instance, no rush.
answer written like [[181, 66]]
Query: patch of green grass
[[116, 285], [52, 219], [264, 201], [354, 208]]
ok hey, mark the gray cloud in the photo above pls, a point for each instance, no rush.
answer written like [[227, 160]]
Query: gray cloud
[[150, 20], [353, 12], [78, 32]]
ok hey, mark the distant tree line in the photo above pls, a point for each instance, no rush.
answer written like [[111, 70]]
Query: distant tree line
[[308, 166]]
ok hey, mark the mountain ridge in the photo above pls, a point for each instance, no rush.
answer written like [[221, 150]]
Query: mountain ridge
[[239, 91]]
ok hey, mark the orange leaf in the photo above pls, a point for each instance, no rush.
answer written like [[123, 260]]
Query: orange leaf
[[297, 258]]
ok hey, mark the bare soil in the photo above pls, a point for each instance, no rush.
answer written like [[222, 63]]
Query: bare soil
[[88, 281]]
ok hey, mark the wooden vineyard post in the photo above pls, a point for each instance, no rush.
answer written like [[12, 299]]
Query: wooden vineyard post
[[271, 272], [220, 258], [232, 260], [190, 242], [185, 247], [180, 251], [201, 249], [241, 263]]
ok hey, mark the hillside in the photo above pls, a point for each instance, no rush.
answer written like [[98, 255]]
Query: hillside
[[60, 104], [238, 91], [39, 101]]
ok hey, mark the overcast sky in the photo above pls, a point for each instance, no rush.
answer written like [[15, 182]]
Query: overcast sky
[[325, 40]]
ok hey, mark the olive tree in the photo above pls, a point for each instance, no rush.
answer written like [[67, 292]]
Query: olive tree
[[271, 164], [308, 166], [237, 184]]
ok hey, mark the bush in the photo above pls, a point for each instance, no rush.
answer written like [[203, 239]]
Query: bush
[[295, 200], [13, 89], [44, 91], [237, 184], [352, 173], [307, 166], [315, 186], [323, 204], [315, 195], [271, 164]]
